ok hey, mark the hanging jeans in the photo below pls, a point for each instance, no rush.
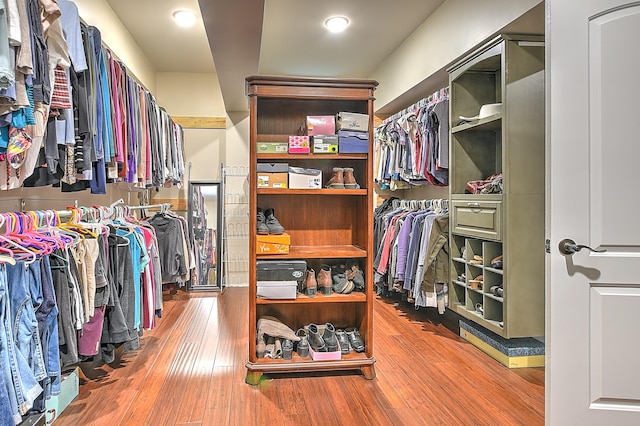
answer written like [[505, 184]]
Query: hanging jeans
[[22, 387]]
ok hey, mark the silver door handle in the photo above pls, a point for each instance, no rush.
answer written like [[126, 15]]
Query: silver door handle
[[569, 247]]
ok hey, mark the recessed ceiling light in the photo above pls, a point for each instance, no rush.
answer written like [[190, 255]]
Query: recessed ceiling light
[[184, 18], [336, 24]]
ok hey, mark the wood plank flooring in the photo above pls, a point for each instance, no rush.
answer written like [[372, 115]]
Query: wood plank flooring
[[190, 371]]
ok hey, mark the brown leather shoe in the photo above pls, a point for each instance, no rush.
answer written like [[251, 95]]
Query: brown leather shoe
[[310, 283], [349, 179], [337, 180], [324, 280]]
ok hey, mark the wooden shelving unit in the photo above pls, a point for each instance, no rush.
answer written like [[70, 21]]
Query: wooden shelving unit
[[325, 225]]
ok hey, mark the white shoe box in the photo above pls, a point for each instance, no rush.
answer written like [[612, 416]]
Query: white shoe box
[[277, 289]]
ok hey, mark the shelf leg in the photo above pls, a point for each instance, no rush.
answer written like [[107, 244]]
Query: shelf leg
[[253, 377], [368, 371]]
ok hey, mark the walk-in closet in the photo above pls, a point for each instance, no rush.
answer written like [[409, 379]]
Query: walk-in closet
[[333, 213]]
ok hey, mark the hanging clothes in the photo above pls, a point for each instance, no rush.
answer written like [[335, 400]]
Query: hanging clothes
[[412, 147], [412, 246]]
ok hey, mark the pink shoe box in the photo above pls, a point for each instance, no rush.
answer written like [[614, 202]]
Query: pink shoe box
[[325, 356], [299, 145], [321, 125]]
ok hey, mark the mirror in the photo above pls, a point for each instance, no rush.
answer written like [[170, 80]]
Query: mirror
[[205, 223]]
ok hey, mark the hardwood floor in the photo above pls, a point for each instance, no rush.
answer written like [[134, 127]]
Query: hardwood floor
[[190, 371]]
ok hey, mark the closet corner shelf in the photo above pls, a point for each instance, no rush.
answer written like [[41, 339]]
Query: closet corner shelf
[[311, 156], [287, 191], [486, 124], [301, 298], [318, 252]]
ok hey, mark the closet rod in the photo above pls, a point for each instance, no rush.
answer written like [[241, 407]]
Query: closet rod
[[434, 97], [152, 206]]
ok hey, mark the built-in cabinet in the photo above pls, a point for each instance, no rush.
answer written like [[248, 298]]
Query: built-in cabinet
[[325, 225], [506, 76]]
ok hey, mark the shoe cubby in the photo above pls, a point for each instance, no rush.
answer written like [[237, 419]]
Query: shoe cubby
[[509, 139], [325, 225]]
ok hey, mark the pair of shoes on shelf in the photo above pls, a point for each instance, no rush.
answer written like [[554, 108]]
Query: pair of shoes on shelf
[[322, 283], [355, 274], [496, 262], [497, 290], [349, 340], [325, 341], [267, 223], [343, 179]]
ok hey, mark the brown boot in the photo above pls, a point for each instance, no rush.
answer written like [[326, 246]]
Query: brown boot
[[324, 280], [349, 179], [310, 283], [337, 180]]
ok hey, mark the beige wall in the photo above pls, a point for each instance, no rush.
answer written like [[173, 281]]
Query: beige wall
[[418, 67], [99, 14]]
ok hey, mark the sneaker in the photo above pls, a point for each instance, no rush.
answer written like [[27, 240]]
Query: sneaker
[[272, 223], [345, 346], [261, 222], [354, 339]]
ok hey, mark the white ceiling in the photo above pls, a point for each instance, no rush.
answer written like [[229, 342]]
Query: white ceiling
[[270, 37]]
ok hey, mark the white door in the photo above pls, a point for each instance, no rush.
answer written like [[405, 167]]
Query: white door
[[593, 299]]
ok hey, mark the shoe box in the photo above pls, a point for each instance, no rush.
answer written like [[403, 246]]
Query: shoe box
[[280, 270], [299, 145], [301, 178], [279, 279], [273, 147], [273, 244], [273, 175], [353, 142], [321, 125], [325, 144], [277, 289], [352, 121]]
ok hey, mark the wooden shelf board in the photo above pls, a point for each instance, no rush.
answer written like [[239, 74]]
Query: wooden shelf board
[[301, 298], [351, 361], [318, 252], [330, 192], [459, 260], [311, 156]]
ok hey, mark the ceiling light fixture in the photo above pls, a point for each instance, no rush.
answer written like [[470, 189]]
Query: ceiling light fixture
[[336, 24], [184, 18]]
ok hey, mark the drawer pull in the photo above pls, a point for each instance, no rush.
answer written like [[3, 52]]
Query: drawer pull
[[474, 205]]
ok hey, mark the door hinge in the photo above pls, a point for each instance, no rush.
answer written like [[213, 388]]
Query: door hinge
[[547, 246]]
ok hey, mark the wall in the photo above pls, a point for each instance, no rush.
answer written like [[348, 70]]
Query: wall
[[114, 35], [418, 67]]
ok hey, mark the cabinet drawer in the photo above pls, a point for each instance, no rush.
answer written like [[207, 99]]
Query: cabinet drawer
[[481, 219]]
